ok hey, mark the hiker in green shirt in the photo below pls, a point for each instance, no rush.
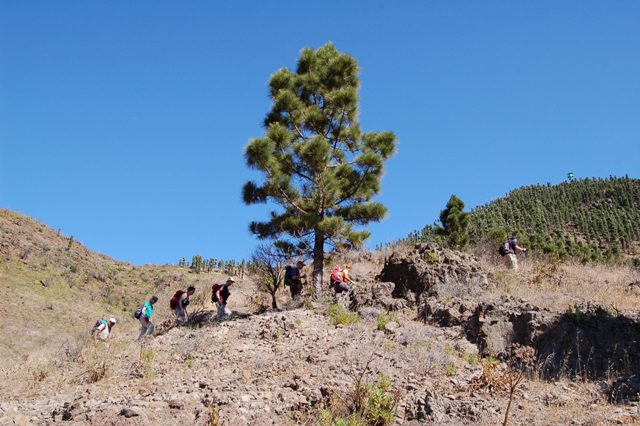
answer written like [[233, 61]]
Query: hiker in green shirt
[[145, 318]]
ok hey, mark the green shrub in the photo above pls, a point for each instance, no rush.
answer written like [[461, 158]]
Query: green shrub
[[384, 319], [432, 257], [380, 404], [340, 315], [367, 404], [471, 358], [451, 370]]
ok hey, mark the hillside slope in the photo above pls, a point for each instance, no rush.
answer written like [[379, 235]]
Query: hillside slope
[[590, 219], [429, 354], [55, 287]]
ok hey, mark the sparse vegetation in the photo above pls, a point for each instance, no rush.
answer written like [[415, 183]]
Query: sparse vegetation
[[421, 355], [384, 319], [338, 314], [147, 357], [268, 262], [367, 404], [451, 369]]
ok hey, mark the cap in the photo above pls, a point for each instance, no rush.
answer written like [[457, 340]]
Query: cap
[[230, 279], [112, 320]]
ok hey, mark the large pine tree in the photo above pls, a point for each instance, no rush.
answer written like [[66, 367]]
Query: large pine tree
[[319, 167]]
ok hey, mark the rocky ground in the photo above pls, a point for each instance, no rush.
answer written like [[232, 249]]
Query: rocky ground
[[426, 337]]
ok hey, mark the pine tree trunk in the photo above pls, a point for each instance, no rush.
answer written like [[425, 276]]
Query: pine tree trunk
[[318, 263]]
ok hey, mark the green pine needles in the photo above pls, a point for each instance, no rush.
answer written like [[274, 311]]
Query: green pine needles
[[455, 223], [319, 167]]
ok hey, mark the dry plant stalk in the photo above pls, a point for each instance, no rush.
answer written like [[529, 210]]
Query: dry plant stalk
[[514, 381]]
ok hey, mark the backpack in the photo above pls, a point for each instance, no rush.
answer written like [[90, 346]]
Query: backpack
[[138, 313], [173, 303], [288, 274], [98, 324], [336, 277], [214, 293], [505, 248]]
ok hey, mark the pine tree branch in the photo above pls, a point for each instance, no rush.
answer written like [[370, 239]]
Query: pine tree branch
[[302, 136], [352, 193], [286, 197]]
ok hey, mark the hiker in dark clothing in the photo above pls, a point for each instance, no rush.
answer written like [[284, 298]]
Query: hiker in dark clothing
[[219, 295], [511, 248], [294, 279]]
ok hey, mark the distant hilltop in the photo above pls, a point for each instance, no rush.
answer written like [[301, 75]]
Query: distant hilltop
[[594, 219]]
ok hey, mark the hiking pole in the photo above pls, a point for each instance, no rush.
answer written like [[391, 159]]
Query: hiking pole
[[524, 259]]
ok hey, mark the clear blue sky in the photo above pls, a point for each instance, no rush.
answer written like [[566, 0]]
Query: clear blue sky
[[123, 122]]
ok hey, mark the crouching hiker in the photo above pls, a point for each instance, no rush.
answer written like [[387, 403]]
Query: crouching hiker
[[219, 296], [179, 303], [340, 279], [143, 313], [102, 329]]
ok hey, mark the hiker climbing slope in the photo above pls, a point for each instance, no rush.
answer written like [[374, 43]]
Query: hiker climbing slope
[[509, 248], [179, 303], [219, 295], [340, 279], [102, 329], [144, 313], [294, 280]]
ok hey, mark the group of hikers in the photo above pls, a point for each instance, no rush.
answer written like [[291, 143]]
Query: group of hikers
[[294, 278], [178, 303]]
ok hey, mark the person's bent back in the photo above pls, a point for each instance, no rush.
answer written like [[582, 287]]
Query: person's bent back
[[102, 329]]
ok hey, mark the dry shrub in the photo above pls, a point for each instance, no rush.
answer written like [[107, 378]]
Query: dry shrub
[[494, 378], [213, 418], [41, 370], [95, 364]]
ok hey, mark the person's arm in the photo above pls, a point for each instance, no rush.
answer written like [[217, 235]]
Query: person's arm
[[520, 248]]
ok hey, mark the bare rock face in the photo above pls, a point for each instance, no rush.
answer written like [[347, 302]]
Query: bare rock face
[[375, 294], [592, 343], [431, 270], [586, 341], [446, 313]]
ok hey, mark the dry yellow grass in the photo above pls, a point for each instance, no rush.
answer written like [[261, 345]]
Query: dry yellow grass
[[555, 285]]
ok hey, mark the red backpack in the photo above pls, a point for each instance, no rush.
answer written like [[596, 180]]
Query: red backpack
[[214, 292], [173, 303], [336, 275]]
